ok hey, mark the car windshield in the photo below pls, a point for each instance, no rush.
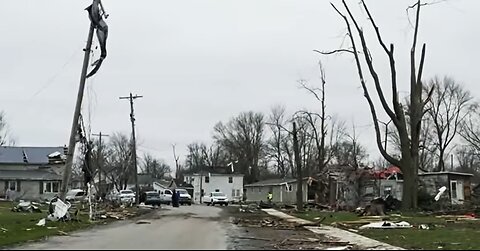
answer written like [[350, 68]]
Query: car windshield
[[126, 192], [152, 194], [218, 194], [73, 193], [182, 191]]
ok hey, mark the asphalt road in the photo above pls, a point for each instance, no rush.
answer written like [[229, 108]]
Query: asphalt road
[[186, 227]]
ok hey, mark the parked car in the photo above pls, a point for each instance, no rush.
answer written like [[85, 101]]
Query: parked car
[[76, 195], [165, 196], [150, 198], [126, 196], [185, 197], [215, 198]]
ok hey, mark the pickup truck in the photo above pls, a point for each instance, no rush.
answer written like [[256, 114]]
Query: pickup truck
[[165, 196], [215, 198]]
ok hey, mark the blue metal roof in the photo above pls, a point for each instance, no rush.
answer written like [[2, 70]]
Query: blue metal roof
[[26, 155]]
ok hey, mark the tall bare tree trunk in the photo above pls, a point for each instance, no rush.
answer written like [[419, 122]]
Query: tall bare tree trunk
[[408, 130], [298, 163]]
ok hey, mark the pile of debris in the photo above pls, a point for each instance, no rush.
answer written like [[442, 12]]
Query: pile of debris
[[323, 243], [272, 222], [250, 208], [117, 215], [264, 222], [27, 206]]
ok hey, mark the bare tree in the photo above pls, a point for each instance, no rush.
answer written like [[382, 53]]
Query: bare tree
[[468, 161], [409, 133], [428, 149], [200, 157], [242, 138], [298, 164], [350, 152], [447, 107], [118, 160], [470, 130], [196, 160], [277, 145], [320, 134], [177, 164], [156, 168], [5, 136]]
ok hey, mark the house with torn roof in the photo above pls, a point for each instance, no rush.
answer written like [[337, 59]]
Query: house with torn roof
[[31, 173]]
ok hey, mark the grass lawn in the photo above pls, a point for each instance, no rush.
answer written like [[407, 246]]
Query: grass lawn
[[16, 227], [443, 234]]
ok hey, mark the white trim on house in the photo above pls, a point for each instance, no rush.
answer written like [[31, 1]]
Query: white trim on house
[[447, 172]]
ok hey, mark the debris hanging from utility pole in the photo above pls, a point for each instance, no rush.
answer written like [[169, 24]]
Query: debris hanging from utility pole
[[100, 24]]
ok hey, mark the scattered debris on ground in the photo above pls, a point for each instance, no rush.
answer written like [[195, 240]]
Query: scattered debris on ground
[[258, 230], [386, 225], [27, 206]]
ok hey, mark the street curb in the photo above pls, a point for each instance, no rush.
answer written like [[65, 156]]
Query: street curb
[[340, 234]]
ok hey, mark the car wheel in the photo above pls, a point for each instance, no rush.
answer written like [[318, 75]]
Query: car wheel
[[226, 204]]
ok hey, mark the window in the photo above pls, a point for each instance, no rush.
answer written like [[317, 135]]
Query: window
[[288, 188], [13, 186], [207, 179], [259, 189], [230, 179], [237, 192], [454, 189], [387, 190], [51, 187], [233, 192]]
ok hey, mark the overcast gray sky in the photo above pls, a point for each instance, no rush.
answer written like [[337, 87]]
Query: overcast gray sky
[[200, 62]]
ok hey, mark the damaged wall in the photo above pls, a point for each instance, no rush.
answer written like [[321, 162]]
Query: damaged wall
[[279, 192], [458, 185]]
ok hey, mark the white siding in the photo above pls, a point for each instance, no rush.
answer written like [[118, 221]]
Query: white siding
[[279, 192], [216, 181]]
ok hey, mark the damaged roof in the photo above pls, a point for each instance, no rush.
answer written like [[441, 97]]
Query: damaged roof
[[28, 175], [27, 155], [274, 182]]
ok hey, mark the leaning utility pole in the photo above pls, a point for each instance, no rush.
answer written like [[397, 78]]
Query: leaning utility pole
[[96, 12], [73, 132], [100, 161], [134, 144]]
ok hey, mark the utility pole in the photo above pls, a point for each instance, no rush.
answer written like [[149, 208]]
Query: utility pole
[[134, 144], [100, 161], [74, 130]]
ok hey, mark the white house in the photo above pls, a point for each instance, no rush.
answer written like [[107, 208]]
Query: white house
[[231, 184]]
